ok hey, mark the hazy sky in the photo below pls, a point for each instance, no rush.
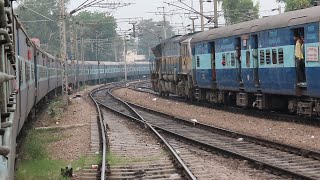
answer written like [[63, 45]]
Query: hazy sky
[[142, 7]]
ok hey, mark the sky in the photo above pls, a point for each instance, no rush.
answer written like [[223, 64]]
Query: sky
[[145, 9]]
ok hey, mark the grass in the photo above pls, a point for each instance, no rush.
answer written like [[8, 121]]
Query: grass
[[115, 160], [55, 108], [35, 162]]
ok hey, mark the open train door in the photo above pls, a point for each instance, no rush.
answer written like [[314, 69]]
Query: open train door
[[255, 58], [213, 60]]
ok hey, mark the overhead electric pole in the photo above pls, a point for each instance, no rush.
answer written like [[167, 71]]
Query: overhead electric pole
[[202, 18], [63, 50], [82, 52], [125, 56], [164, 22], [216, 25]]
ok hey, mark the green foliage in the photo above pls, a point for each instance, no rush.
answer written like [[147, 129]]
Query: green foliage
[[150, 33], [47, 31], [297, 4], [36, 141], [236, 11], [55, 108], [101, 26], [35, 163]]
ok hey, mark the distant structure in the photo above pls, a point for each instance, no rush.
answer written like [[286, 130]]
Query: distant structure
[[134, 57]]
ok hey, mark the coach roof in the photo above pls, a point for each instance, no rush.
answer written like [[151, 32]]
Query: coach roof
[[291, 18]]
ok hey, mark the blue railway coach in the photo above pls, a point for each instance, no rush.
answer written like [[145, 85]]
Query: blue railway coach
[[253, 63]]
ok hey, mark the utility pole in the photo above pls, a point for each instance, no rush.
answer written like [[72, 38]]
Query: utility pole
[[202, 18], [73, 47], [75, 37], [82, 52], [125, 56], [115, 53], [216, 25], [97, 57], [164, 22], [63, 49]]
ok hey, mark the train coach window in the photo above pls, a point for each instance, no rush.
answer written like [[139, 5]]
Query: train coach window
[[233, 61], [198, 61], [20, 72], [274, 56], [280, 56], [32, 71], [224, 59], [268, 56], [27, 65], [262, 57]]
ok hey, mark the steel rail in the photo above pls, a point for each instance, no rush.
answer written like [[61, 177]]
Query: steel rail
[[259, 141], [103, 130], [271, 115], [288, 148], [140, 119]]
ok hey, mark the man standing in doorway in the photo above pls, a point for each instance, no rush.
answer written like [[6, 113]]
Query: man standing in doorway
[[299, 57]]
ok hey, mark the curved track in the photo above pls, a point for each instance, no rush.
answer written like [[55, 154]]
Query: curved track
[[279, 158], [287, 160], [104, 98]]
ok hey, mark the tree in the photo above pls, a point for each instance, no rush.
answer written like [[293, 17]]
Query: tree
[[150, 33], [97, 25], [30, 14], [236, 11], [35, 15], [297, 4]]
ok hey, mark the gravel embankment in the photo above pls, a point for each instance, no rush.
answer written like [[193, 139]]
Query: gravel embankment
[[299, 135], [76, 141]]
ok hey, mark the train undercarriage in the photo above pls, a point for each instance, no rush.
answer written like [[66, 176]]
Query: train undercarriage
[[183, 86]]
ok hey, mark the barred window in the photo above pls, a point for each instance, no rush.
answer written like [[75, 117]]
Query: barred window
[[262, 57], [20, 73], [27, 65], [52, 72], [42, 72], [274, 56], [32, 71], [233, 61], [280, 56], [198, 61], [268, 56], [224, 57]]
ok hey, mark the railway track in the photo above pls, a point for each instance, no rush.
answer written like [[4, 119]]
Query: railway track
[[129, 147], [133, 154], [271, 115], [200, 163], [278, 158]]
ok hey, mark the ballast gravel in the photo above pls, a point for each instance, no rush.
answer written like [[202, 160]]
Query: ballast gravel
[[76, 141], [299, 135]]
